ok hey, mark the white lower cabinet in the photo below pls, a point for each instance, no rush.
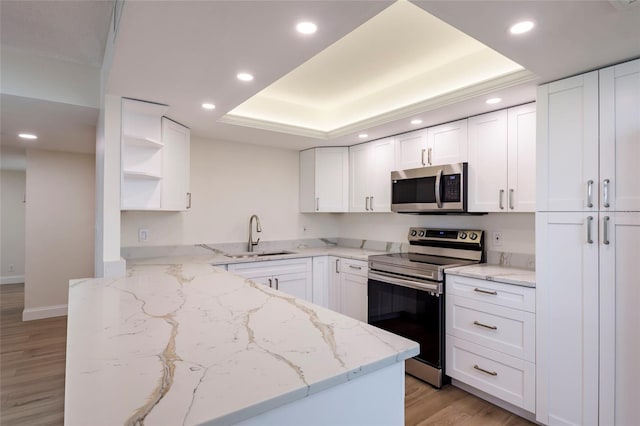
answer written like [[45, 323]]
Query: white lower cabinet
[[490, 338], [291, 276], [348, 287]]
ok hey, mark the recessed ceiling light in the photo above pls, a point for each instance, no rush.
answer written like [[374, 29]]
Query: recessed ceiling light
[[492, 101], [208, 106], [27, 136], [363, 135], [306, 27], [244, 76], [521, 27], [416, 121]]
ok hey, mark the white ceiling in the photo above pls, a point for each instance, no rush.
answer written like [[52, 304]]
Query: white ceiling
[[185, 52]]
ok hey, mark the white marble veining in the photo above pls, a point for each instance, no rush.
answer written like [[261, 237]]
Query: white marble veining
[[503, 274], [183, 344]]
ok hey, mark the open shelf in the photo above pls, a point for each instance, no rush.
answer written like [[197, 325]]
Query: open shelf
[[135, 174], [141, 141]]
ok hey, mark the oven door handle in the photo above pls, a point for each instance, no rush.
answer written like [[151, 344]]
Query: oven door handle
[[416, 285]]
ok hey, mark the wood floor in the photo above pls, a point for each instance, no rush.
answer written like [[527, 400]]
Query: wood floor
[[32, 363]]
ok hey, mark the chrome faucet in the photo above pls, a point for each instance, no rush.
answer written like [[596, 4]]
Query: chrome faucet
[[258, 229]]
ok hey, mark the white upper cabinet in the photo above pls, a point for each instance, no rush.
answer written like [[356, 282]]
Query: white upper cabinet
[[154, 159], [620, 137], [324, 180], [411, 150], [502, 155], [567, 144], [370, 176], [447, 143]]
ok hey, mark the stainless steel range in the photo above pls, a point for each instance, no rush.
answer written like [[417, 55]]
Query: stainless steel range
[[406, 292]]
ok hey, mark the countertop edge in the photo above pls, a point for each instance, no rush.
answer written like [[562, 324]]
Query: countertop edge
[[503, 276]]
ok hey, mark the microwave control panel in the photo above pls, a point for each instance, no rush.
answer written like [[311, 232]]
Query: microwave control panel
[[451, 188]]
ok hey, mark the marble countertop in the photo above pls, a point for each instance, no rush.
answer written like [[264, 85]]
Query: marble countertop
[[218, 258], [503, 274], [184, 344]]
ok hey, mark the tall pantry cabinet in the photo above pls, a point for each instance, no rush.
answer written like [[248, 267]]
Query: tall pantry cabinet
[[588, 248]]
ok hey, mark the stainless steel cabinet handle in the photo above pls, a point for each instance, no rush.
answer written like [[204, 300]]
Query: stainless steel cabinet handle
[[366, 203], [371, 203], [429, 156], [589, 221], [491, 373], [605, 230], [501, 197], [355, 267], [511, 199], [337, 267], [491, 327], [589, 193], [422, 157], [479, 290], [189, 200], [277, 284], [605, 192], [270, 282], [317, 203]]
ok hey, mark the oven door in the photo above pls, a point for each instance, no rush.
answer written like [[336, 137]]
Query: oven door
[[429, 189], [412, 309]]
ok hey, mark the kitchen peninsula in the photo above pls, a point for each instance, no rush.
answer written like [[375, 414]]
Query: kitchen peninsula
[[186, 344]]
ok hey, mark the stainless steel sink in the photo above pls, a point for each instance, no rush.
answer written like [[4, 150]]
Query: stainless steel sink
[[249, 254]]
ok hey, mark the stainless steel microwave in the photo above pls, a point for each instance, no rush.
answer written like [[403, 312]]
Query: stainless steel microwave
[[437, 189]]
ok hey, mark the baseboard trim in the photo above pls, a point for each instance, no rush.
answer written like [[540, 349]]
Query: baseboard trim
[[13, 279], [44, 312]]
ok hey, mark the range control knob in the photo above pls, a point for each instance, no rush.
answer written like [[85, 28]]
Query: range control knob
[[473, 235], [421, 234], [414, 233], [462, 235]]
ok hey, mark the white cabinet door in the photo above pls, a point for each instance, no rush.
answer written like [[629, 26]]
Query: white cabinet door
[[411, 150], [370, 171], [334, 284], [521, 194], [447, 143], [488, 162], [293, 284], [175, 166], [359, 171], [567, 144], [321, 281], [619, 318], [567, 318], [620, 137], [382, 162], [353, 296], [324, 180]]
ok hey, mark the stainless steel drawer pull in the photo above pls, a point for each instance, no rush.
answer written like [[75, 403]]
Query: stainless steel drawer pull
[[270, 282], [337, 266], [429, 156], [501, 199], [491, 373], [277, 284], [366, 203], [422, 157], [355, 267], [589, 193], [605, 230], [317, 203], [605, 189], [479, 290], [589, 221], [511, 206], [491, 327]]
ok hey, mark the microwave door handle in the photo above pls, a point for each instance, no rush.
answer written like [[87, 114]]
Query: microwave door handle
[[438, 188]]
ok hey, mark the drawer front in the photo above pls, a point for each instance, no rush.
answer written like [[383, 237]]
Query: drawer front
[[355, 267], [271, 267], [506, 330], [509, 295], [505, 377]]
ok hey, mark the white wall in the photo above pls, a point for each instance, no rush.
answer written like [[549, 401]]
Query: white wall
[[517, 228], [12, 210], [230, 181], [59, 228]]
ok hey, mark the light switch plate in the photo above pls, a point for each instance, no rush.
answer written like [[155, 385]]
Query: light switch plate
[[143, 235]]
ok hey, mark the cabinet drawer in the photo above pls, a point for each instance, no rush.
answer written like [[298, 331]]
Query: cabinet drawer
[[503, 376], [355, 267], [507, 330], [509, 295]]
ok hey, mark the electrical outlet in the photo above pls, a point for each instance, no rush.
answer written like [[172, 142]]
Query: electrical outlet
[[497, 238], [143, 235]]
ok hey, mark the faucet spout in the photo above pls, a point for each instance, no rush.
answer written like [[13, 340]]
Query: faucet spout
[[252, 243]]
